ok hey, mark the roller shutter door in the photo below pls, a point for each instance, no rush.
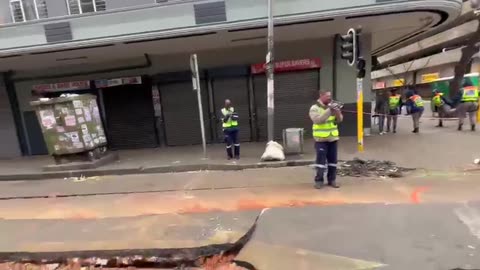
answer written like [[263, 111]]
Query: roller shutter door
[[295, 92], [180, 113], [235, 89], [130, 117]]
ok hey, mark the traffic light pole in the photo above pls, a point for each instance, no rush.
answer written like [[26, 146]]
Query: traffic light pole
[[352, 53], [360, 114]]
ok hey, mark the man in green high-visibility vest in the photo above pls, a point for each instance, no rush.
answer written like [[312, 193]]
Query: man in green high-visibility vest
[[325, 116]]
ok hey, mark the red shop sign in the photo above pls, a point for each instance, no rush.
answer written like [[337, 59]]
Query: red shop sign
[[379, 85], [289, 65], [62, 86]]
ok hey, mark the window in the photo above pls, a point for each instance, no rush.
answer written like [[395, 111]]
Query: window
[[27, 10], [85, 6]]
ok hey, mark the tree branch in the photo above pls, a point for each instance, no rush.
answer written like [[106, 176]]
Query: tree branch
[[470, 49]]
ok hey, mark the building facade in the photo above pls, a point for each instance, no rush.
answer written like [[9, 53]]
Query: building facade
[[429, 57], [134, 55]]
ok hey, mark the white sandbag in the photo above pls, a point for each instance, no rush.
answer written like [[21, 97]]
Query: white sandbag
[[273, 152]]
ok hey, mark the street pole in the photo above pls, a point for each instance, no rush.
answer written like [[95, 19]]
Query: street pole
[[360, 114], [196, 87], [270, 76]]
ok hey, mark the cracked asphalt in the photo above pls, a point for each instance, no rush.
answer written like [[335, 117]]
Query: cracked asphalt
[[422, 221]]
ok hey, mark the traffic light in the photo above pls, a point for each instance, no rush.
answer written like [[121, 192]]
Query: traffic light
[[361, 68], [349, 47]]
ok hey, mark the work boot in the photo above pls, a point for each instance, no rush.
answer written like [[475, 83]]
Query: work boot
[[333, 185], [237, 151], [415, 130], [318, 185], [229, 153], [473, 128], [460, 127]]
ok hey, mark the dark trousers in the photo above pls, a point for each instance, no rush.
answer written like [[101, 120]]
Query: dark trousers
[[231, 141], [326, 159]]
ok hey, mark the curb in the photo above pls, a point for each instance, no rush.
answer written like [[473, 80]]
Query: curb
[[154, 170]]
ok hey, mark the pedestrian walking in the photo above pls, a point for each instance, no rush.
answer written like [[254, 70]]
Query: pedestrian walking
[[442, 106], [415, 108], [326, 115], [230, 130], [381, 110], [468, 104], [394, 108]]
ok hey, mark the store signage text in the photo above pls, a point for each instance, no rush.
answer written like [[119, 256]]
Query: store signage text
[[118, 81], [399, 82], [430, 77], [289, 65], [379, 85], [63, 86]]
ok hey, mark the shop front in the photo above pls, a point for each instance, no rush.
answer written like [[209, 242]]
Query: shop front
[[128, 112], [297, 83]]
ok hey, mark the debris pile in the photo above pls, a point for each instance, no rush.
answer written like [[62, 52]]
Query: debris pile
[[368, 168]]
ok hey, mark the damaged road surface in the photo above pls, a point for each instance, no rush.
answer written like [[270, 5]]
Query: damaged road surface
[[337, 237], [213, 256]]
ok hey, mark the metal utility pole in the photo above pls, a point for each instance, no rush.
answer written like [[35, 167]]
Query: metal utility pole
[[196, 87], [270, 77]]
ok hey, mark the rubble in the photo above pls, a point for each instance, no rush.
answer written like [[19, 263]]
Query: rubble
[[370, 168]]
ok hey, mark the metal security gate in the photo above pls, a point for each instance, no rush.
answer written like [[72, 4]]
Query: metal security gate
[[295, 92], [180, 113], [235, 89], [130, 117]]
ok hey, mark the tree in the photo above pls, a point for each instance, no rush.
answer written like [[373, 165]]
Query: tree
[[468, 51]]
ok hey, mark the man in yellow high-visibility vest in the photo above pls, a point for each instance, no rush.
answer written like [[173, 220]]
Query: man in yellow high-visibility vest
[[325, 116], [230, 130], [468, 104]]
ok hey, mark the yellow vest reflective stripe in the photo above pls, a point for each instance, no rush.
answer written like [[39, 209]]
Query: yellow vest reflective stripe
[[437, 100], [418, 101], [329, 129], [470, 94], [230, 123], [393, 101]]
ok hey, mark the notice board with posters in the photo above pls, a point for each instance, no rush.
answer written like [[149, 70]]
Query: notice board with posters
[[70, 125]]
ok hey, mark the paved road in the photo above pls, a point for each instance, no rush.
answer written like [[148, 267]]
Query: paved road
[[424, 221]]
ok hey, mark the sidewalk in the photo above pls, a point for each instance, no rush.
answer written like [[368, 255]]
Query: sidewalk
[[434, 149]]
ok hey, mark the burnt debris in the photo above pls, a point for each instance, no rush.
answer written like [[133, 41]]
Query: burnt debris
[[371, 168]]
